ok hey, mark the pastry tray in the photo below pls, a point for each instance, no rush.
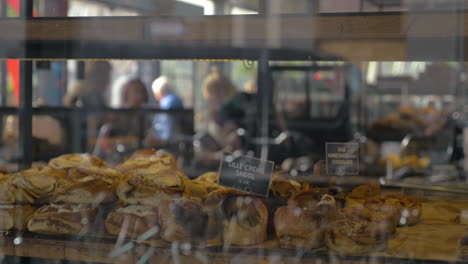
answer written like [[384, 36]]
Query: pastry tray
[[434, 240]]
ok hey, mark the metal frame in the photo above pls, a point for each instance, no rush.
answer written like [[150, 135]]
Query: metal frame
[[25, 105]]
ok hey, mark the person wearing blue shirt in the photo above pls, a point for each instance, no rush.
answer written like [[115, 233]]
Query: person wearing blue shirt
[[164, 125]]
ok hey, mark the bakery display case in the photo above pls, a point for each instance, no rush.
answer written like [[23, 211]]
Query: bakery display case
[[111, 192]]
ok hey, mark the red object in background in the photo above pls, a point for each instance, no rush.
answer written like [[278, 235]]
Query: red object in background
[[15, 5], [317, 76], [13, 66]]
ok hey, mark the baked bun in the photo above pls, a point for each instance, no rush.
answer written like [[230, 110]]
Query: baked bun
[[216, 216], [15, 217], [91, 185], [380, 220], [199, 191], [307, 200], [409, 209], [7, 193], [36, 185], [352, 237], [63, 219], [210, 177], [76, 160], [300, 228], [134, 221], [284, 188], [246, 220], [151, 186], [182, 220], [146, 158], [361, 193]]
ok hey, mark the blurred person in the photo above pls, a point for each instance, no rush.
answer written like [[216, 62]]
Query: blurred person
[[124, 127], [164, 124], [90, 93], [164, 94], [224, 112], [134, 94]]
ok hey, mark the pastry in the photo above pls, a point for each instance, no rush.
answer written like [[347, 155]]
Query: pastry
[[207, 181], [246, 219], [7, 194], [216, 216], [307, 200], [151, 186], [197, 190], [352, 237], [134, 221], [63, 219], [36, 185], [182, 220], [380, 220], [146, 158], [76, 160], [297, 227], [283, 188], [15, 217], [91, 185], [361, 193], [210, 177], [409, 209]]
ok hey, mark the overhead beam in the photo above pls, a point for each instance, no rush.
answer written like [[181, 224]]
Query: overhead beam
[[358, 37]]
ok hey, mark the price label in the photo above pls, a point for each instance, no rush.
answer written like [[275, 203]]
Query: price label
[[342, 158], [246, 174]]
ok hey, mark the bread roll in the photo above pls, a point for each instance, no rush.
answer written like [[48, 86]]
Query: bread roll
[[36, 185], [15, 217], [409, 209], [197, 190], [307, 200], [91, 185], [361, 193], [380, 220], [63, 219], [297, 227], [146, 158], [216, 217], [284, 188], [134, 221], [246, 220], [7, 191], [151, 186], [352, 237], [76, 160], [211, 177], [182, 220]]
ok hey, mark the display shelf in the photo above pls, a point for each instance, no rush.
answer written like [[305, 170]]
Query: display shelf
[[379, 36], [434, 240]]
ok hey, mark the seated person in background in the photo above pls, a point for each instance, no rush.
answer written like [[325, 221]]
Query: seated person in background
[[123, 128], [225, 110], [134, 94], [164, 125]]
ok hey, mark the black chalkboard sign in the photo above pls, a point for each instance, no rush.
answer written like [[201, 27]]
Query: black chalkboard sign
[[246, 174], [342, 158]]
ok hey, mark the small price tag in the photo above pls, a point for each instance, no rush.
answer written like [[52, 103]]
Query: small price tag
[[342, 158], [246, 174]]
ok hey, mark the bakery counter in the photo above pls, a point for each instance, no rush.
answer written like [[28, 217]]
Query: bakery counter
[[435, 239], [78, 208]]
